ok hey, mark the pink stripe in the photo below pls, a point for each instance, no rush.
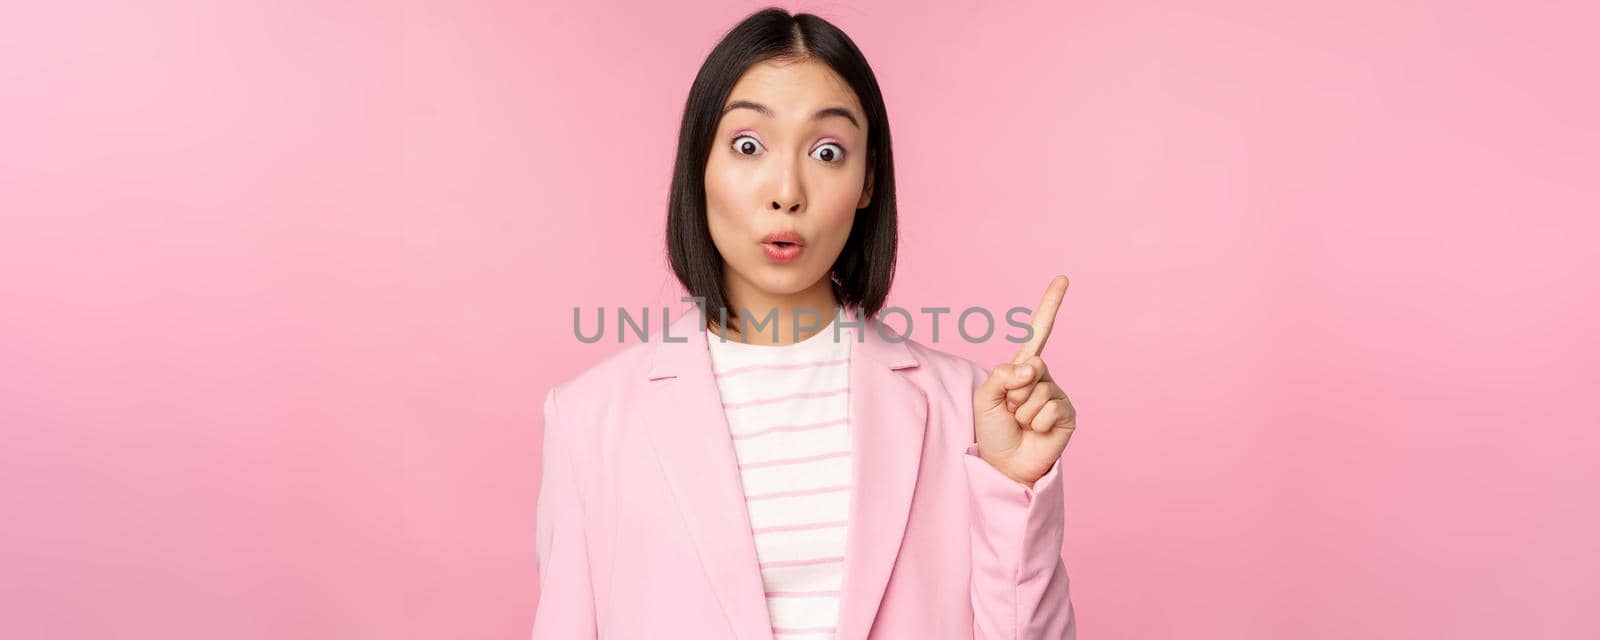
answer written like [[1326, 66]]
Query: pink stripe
[[801, 527], [801, 594], [798, 492], [801, 563], [794, 427], [792, 396], [787, 461], [781, 630], [798, 365]]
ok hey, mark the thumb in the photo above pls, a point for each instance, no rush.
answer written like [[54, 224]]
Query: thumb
[[1004, 377]]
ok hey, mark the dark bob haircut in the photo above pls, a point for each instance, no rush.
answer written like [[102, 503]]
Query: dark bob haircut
[[864, 270]]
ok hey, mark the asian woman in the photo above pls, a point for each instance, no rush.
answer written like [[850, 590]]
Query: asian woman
[[779, 464]]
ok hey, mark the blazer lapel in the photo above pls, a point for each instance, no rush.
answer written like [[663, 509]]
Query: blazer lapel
[[888, 418], [690, 434]]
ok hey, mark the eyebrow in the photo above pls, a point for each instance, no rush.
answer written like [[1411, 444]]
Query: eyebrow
[[820, 114]]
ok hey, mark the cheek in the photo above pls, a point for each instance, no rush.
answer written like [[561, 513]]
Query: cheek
[[720, 194], [843, 188], [839, 210], [727, 188], [838, 225]]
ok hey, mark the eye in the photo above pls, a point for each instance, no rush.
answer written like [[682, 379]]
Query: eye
[[828, 152], [746, 145]]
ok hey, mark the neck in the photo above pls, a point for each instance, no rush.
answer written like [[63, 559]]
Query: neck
[[779, 319]]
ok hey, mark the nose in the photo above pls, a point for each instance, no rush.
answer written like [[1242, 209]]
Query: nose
[[790, 194], [777, 205]]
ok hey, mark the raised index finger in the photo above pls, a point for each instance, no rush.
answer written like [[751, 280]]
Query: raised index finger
[[1044, 318]]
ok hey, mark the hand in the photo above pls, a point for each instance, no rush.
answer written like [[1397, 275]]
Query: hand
[[1021, 418]]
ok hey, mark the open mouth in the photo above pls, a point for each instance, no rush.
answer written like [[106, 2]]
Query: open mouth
[[783, 239], [783, 246]]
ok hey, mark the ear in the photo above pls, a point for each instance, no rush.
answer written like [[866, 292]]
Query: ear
[[866, 190]]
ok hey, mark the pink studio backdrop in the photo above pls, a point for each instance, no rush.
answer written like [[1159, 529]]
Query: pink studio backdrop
[[282, 287]]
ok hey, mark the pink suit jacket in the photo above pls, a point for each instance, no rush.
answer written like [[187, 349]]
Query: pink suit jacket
[[642, 531]]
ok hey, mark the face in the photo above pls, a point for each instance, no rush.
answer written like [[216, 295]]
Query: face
[[787, 171]]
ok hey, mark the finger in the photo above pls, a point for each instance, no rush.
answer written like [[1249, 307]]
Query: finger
[[1036, 400], [1049, 416], [1047, 392], [1044, 318], [1019, 395], [1001, 380]]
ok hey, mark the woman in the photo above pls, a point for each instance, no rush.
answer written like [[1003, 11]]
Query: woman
[[782, 479]]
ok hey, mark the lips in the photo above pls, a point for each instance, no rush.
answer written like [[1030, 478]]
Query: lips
[[784, 238], [783, 246]]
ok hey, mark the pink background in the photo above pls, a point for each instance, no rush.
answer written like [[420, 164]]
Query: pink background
[[282, 288]]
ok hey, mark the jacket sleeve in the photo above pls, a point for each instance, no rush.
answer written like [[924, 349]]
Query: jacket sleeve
[[565, 609], [1019, 582]]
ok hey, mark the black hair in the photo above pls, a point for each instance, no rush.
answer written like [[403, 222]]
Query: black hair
[[864, 270]]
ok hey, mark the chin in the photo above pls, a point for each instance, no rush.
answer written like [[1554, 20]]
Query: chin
[[784, 280]]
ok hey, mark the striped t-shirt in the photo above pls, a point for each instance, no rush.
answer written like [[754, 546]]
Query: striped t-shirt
[[788, 411]]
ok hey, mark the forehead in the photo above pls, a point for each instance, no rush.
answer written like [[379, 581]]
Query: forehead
[[793, 89]]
